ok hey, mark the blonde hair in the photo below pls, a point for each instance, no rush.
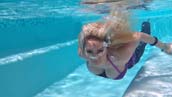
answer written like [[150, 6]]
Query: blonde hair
[[92, 30], [116, 27]]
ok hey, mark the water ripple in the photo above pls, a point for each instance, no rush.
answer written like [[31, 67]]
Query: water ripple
[[22, 56]]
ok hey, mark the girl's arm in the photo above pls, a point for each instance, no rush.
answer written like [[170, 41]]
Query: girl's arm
[[139, 36], [122, 38], [167, 47]]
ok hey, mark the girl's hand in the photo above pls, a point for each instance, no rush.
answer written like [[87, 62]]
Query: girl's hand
[[167, 48]]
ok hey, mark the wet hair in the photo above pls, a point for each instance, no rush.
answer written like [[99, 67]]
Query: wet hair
[[93, 31], [116, 26]]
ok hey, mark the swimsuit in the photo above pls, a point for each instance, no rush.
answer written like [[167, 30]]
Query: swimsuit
[[130, 63]]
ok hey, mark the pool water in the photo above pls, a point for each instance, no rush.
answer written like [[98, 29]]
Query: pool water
[[154, 79], [43, 60]]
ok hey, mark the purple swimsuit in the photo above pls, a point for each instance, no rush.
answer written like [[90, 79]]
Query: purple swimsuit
[[130, 63]]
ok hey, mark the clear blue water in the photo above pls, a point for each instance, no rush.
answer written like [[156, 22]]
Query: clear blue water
[[154, 80]]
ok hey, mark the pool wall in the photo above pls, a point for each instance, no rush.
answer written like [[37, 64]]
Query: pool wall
[[17, 35], [29, 76]]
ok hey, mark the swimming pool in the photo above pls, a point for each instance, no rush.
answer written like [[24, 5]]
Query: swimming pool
[[39, 48]]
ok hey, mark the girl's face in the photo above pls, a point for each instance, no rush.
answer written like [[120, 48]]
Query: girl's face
[[94, 49]]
